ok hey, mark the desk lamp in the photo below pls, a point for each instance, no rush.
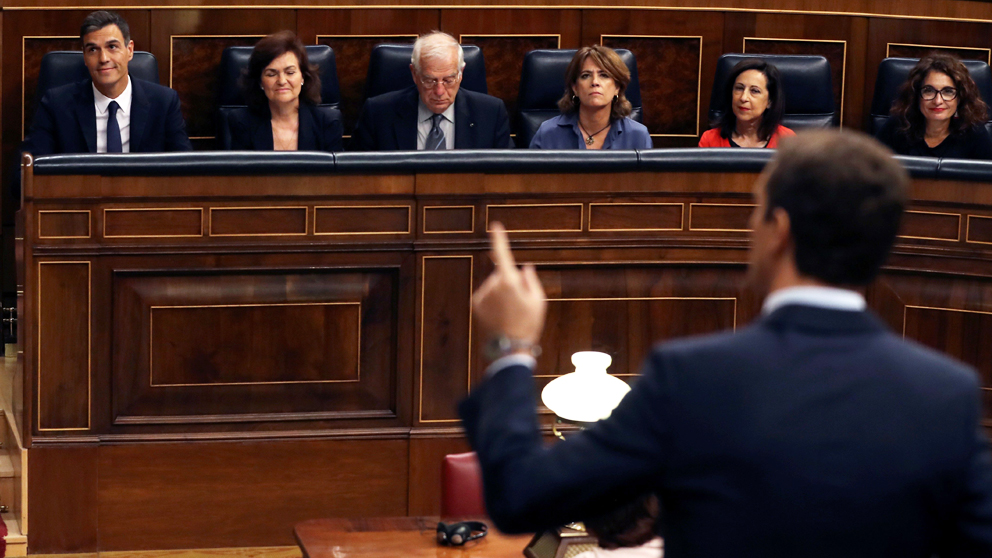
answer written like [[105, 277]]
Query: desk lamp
[[578, 398]]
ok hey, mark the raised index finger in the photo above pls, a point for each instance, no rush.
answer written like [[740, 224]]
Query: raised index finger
[[502, 255]]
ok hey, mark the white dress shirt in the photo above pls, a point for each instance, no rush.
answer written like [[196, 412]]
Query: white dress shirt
[[102, 104], [424, 125]]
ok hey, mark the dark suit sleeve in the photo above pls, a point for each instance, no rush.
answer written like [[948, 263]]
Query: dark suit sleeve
[[363, 139], [239, 130], [41, 138], [530, 487], [981, 147], [175, 127]]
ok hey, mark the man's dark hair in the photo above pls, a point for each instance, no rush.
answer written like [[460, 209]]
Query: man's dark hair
[[632, 523], [771, 118], [100, 19], [844, 194]]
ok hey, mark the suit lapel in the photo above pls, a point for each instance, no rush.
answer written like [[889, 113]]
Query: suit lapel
[[405, 124], [306, 139], [261, 131], [139, 115], [86, 115], [464, 125]]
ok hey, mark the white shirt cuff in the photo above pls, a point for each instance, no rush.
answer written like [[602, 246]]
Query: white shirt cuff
[[510, 360]]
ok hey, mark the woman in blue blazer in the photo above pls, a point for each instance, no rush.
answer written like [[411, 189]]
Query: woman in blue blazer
[[282, 90], [595, 114]]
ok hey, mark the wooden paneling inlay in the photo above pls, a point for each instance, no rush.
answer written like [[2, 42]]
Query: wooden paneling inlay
[[504, 56], [720, 217], [979, 229], [566, 217], [445, 336], [193, 69], [676, 88], [930, 225], [635, 216], [363, 219], [351, 54], [449, 219], [34, 49], [235, 345], [70, 223], [834, 51], [64, 345], [258, 221], [902, 50], [153, 222], [953, 331]]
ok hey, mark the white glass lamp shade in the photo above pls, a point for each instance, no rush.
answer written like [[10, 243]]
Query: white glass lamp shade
[[588, 394]]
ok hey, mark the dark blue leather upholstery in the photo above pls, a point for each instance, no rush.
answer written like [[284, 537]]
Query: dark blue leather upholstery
[[892, 73], [389, 69], [495, 161], [60, 67], [233, 63], [542, 83], [964, 169], [806, 83]]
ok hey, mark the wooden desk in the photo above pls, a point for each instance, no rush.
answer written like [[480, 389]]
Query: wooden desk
[[390, 537]]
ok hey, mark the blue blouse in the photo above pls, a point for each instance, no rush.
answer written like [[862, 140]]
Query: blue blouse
[[562, 132]]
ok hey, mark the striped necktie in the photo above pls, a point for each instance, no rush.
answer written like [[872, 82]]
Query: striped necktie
[[435, 138]]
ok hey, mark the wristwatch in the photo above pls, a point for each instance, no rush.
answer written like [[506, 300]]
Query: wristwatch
[[500, 346]]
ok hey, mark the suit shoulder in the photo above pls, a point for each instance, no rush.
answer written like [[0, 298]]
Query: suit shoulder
[[68, 91], [391, 98], [152, 89], [480, 98]]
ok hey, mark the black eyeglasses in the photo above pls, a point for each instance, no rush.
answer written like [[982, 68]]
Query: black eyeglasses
[[929, 93]]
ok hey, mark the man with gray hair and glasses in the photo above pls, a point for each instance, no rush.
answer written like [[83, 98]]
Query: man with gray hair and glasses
[[433, 114]]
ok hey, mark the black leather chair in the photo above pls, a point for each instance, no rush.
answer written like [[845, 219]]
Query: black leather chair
[[61, 67], [892, 73], [542, 83], [806, 84], [230, 97], [389, 69]]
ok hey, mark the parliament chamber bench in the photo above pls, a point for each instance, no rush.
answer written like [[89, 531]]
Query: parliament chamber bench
[[217, 346]]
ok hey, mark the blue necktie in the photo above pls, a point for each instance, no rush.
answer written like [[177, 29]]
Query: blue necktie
[[435, 138], [113, 129]]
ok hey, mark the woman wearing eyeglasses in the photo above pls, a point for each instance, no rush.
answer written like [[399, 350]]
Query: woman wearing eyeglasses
[[938, 113], [594, 112]]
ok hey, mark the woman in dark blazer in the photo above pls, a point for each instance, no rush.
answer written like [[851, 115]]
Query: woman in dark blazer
[[282, 90]]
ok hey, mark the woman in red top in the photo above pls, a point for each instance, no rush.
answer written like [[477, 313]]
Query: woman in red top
[[754, 93]]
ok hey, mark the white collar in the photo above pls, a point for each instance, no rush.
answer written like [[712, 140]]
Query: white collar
[[102, 102], [424, 113], [821, 297]]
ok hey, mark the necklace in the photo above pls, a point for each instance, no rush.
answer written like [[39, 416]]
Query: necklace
[[590, 137]]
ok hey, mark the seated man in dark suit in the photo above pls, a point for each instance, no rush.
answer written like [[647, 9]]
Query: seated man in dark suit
[[812, 432], [109, 112], [434, 114]]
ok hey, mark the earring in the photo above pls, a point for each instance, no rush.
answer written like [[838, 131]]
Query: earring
[[616, 98], [575, 99]]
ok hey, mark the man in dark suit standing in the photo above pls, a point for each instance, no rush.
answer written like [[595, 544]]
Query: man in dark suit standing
[[433, 114], [111, 112], [812, 432]]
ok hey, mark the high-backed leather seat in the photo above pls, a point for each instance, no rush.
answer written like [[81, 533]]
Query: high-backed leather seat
[[542, 83], [61, 67], [461, 486], [389, 69], [806, 84], [893, 72], [233, 63]]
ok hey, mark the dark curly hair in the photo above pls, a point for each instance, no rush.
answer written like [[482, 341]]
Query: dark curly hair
[[631, 523], [607, 59], [972, 110], [267, 50], [771, 118]]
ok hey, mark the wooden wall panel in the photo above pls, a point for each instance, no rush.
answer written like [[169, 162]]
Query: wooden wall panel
[[241, 347], [64, 333], [62, 500], [352, 34], [676, 60], [188, 45], [444, 332], [213, 494]]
